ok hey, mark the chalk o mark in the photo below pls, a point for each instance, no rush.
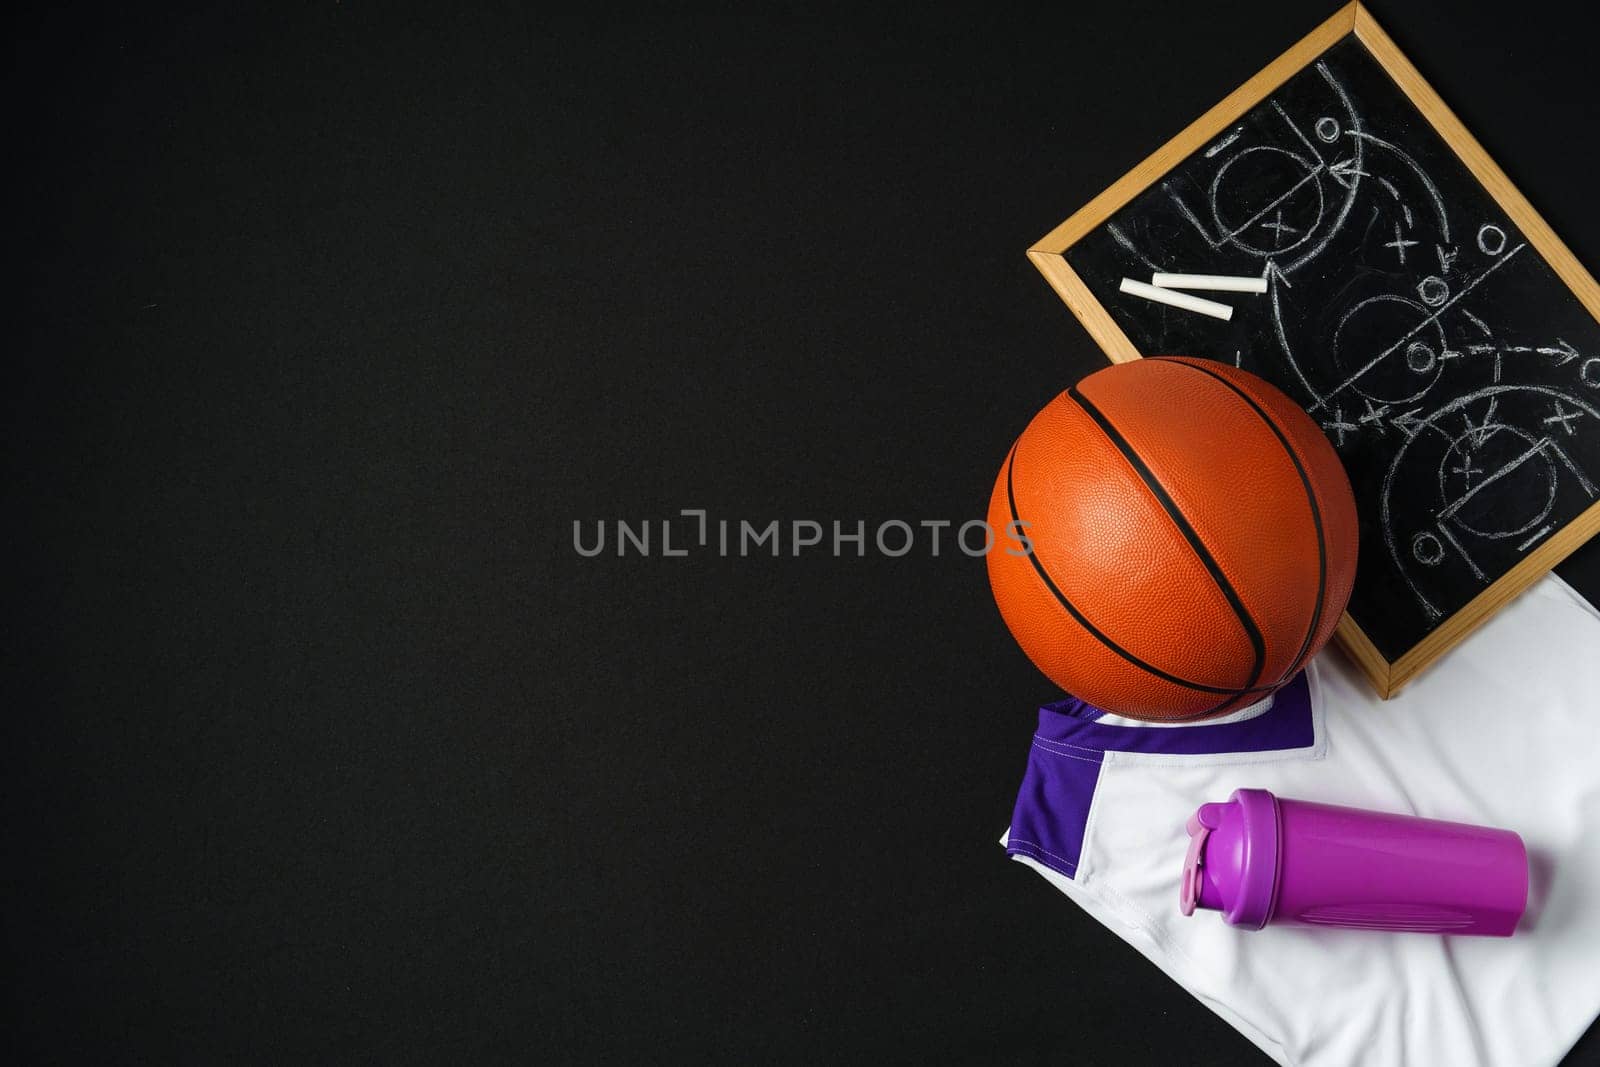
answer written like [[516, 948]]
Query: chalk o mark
[[1419, 357], [1433, 290], [1427, 549], [1589, 373], [1491, 239], [1327, 129]]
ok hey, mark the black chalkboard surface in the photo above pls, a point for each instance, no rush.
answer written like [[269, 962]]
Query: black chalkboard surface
[[1456, 372]]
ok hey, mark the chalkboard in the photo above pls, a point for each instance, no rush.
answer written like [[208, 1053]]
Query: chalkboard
[[1416, 307]]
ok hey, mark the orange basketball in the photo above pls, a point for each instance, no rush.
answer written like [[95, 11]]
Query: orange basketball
[[1191, 539]]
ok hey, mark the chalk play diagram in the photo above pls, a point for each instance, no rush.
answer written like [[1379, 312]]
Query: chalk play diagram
[[1456, 374]]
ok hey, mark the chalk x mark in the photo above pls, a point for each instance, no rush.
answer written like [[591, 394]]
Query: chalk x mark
[[1399, 244], [1374, 415], [1562, 418], [1340, 426]]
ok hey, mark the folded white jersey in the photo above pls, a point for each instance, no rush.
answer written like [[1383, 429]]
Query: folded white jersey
[[1504, 731]]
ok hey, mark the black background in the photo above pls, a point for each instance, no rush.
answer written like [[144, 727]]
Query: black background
[[324, 744]]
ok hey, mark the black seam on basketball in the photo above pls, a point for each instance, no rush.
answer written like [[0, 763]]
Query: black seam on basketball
[[1078, 616], [1258, 644], [1311, 499]]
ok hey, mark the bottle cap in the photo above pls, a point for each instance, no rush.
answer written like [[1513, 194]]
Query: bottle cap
[[1232, 862]]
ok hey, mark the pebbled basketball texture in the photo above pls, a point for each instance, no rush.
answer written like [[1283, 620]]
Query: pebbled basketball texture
[[1192, 539]]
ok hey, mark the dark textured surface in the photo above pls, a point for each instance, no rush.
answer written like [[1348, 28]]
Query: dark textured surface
[[321, 742]]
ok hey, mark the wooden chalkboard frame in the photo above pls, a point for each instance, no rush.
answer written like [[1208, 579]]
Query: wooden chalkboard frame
[[1048, 255]]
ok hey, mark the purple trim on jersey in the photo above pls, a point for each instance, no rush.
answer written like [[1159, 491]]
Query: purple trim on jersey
[[1068, 751]]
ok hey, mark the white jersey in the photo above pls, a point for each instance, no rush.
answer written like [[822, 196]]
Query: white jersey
[[1505, 732]]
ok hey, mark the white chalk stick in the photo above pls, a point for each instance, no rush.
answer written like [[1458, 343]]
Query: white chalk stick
[[1178, 300], [1222, 282]]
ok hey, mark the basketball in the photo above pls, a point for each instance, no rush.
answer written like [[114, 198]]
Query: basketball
[[1183, 539]]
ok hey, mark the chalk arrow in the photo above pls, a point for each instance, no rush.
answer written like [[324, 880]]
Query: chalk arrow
[[1274, 273], [1564, 352], [1408, 423], [1346, 173], [1480, 433]]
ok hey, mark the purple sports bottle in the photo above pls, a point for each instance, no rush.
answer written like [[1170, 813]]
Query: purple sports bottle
[[1259, 859]]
